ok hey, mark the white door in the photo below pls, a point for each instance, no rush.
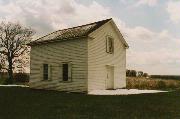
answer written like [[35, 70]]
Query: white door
[[110, 77]]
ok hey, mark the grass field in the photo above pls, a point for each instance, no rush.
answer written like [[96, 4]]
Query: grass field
[[25, 103], [152, 83]]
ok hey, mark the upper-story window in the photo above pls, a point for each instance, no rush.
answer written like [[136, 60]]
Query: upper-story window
[[45, 71], [109, 45]]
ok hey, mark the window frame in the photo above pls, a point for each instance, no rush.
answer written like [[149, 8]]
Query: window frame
[[109, 49], [69, 65]]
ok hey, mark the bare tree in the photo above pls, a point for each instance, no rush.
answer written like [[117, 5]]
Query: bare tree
[[2, 63], [13, 39], [0, 67]]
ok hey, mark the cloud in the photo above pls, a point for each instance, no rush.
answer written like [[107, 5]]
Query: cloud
[[153, 52], [37, 14], [46, 16], [140, 33], [173, 8], [137, 3], [150, 51], [150, 3]]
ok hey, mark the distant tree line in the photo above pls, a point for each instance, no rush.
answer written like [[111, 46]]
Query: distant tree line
[[176, 77], [134, 73]]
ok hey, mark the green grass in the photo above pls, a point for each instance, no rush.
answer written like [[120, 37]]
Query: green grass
[[1, 81], [25, 103]]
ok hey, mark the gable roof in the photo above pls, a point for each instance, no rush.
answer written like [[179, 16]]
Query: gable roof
[[70, 33]]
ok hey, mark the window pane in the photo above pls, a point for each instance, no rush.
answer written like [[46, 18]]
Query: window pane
[[65, 72], [110, 45], [45, 71]]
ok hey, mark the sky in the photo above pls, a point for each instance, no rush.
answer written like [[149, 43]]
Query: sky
[[150, 27]]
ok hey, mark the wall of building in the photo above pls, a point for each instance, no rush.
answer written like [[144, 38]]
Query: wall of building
[[54, 54], [98, 59]]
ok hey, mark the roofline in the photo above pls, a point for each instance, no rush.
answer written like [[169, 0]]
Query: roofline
[[71, 28], [108, 20], [117, 29], [54, 40]]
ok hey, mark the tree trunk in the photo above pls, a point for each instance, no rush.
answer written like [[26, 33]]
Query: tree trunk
[[10, 71]]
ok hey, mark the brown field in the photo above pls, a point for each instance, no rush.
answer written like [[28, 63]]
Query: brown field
[[152, 83]]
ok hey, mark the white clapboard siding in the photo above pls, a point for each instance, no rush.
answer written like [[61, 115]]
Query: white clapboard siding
[[98, 58], [54, 54]]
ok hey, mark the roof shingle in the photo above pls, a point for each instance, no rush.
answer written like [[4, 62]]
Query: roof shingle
[[69, 33]]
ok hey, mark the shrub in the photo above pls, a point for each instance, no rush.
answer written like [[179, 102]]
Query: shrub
[[128, 72], [140, 73], [161, 85], [145, 75], [131, 73], [21, 78], [2, 81], [3, 77], [5, 82]]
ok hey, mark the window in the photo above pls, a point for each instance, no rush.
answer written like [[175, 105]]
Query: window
[[45, 71], [66, 72], [109, 45]]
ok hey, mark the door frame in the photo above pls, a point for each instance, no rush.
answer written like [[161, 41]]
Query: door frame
[[108, 68]]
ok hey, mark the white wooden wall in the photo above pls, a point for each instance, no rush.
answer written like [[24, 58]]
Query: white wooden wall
[[74, 51], [88, 58], [98, 59]]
